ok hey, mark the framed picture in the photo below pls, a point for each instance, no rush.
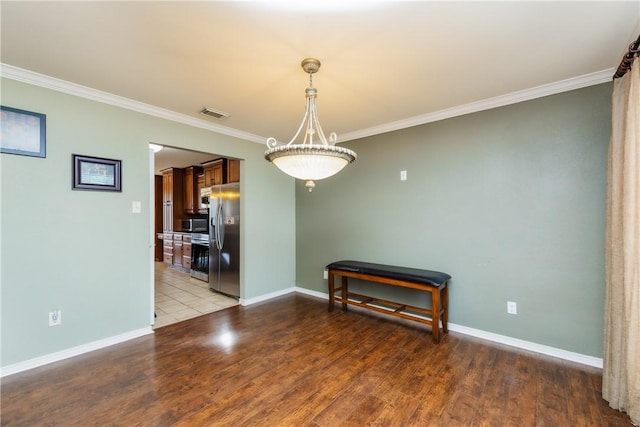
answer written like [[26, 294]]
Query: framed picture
[[95, 173], [23, 132]]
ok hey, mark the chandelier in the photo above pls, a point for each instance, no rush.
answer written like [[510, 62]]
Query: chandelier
[[314, 157]]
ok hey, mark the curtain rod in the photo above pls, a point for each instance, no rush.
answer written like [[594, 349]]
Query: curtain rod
[[627, 59]]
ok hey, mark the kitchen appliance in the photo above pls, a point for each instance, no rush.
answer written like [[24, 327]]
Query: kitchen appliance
[[224, 238], [194, 225], [200, 256]]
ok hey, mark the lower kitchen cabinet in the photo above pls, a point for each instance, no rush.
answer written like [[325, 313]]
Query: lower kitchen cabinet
[[167, 248], [177, 250], [186, 253]]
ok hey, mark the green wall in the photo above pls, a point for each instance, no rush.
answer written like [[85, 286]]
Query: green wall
[[510, 202], [85, 252]]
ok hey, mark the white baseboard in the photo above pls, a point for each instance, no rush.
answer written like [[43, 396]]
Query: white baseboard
[[312, 293], [266, 297], [502, 339], [527, 345], [70, 352]]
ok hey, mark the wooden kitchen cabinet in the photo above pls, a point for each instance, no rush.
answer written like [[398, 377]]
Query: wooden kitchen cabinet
[[177, 250], [191, 189], [221, 171], [157, 211], [167, 248], [200, 187], [167, 207], [233, 171], [214, 172], [172, 198], [186, 252]]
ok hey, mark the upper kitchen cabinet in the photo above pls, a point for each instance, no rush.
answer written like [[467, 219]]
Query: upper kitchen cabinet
[[221, 171], [200, 184], [191, 189], [233, 170], [172, 198], [215, 172]]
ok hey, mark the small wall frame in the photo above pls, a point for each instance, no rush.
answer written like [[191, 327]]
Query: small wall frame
[[96, 173], [23, 132]]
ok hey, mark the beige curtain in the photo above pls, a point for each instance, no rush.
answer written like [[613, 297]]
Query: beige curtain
[[621, 374]]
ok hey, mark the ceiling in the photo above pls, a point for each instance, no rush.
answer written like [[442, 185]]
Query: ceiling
[[382, 61], [170, 157]]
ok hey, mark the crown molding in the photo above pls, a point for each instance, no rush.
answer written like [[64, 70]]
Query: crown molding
[[59, 85], [487, 104], [37, 79]]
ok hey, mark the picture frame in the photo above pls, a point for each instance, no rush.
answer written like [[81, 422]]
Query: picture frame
[[96, 173], [23, 132]]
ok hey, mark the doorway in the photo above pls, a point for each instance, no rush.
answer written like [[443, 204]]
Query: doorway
[[177, 294]]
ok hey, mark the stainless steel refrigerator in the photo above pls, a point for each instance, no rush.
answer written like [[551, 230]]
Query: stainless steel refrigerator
[[224, 239]]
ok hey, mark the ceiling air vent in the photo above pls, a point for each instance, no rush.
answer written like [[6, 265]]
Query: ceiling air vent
[[213, 113]]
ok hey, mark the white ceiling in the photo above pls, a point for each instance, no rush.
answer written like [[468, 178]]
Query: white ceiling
[[382, 62], [170, 157]]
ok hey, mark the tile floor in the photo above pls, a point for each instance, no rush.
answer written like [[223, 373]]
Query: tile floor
[[181, 297]]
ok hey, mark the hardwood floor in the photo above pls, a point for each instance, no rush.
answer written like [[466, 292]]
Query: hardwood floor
[[288, 362]]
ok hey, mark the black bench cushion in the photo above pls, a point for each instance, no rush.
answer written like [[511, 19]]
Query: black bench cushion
[[427, 277]]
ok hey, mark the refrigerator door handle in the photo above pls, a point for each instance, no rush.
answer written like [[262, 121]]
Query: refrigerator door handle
[[220, 226], [216, 230]]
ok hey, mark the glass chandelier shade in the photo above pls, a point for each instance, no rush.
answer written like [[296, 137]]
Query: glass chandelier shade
[[314, 157]]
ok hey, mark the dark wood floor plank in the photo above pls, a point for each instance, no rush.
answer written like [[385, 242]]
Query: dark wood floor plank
[[441, 385], [499, 379], [581, 400], [290, 362], [339, 370], [344, 403], [551, 398], [399, 408], [478, 372], [460, 410], [523, 389], [377, 366], [418, 373], [365, 413]]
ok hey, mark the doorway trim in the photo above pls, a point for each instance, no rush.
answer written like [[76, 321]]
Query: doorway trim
[[152, 238]]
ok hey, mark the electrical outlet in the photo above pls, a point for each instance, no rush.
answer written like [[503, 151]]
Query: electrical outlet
[[325, 274], [55, 317], [403, 175], [512, 307]]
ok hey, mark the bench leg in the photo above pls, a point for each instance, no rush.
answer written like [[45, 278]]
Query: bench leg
[[331, 290], [445, 308], [435, 314], [345, 292]]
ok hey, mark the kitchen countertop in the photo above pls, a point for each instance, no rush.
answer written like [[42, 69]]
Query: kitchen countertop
[[186, 233]]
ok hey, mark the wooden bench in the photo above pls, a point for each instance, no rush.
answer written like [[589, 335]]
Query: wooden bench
[[433, 282]]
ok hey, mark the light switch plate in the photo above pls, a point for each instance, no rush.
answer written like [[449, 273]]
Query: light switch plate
[[136, 206], [55, 317]]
